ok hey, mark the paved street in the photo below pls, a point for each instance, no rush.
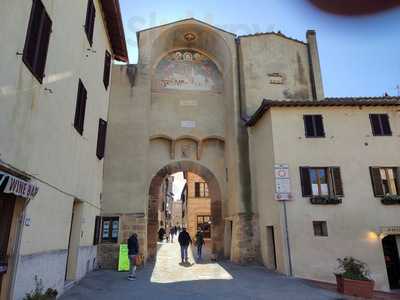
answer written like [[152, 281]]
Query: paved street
[[167, 279]]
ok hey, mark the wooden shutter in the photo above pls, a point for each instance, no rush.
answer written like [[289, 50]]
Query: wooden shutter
[[107, 69], [319, 126], [7, 204], [80, 108], [386, 130], [305, 182], [37, 40], [197, 189], [308, 126], [337, 181], [376, 181], [375, 124], [89, 23], [101, 138], [96, 235]]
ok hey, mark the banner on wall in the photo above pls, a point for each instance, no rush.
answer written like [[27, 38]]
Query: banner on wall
[[123, 260], [12, 185]]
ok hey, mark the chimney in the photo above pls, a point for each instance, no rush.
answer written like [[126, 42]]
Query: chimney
[[315, 68]]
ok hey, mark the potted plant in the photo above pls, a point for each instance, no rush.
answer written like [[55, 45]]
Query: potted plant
[[38, 294], [353, 278]]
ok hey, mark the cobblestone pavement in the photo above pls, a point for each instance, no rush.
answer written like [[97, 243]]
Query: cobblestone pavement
[[168, 279]]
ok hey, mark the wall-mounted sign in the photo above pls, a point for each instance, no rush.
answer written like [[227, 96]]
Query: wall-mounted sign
[[282, 182], [188, 124], [28, 221], [16, 186], [276, 78]]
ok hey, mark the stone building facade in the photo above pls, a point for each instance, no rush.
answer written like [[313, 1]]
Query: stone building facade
[[54, 97]]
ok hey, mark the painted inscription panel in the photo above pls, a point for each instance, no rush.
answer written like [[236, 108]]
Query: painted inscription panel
[[187, 71]]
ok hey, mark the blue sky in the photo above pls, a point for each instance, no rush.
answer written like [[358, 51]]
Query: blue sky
[[360, 56]]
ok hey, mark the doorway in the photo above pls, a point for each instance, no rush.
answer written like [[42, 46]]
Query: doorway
[[74, 241], [391, 252], [271, 250]]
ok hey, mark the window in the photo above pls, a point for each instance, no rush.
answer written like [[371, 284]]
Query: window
[[204, 223], [96, 235], [80, 108], [89, 23], [385, 181], [110, 229], [321, 181], [320, 228], [101, 138], [107, 69], [380, 124], [314, 126], [37, 40], [200, 190]]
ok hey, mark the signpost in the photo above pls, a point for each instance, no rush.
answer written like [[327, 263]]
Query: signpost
[[282, 182]]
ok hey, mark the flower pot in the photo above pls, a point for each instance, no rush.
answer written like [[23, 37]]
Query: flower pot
[[358, 288]]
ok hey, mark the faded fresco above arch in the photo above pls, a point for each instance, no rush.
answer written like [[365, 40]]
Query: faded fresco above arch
[[187, 70]]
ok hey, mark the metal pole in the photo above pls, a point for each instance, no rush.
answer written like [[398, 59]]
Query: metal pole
[[287, 239]]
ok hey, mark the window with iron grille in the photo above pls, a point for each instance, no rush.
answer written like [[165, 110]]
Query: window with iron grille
[[110, 229], [101, 139], [107, 69], [89, 23], [380, 124], [80, 108], [37, 40], [314, 126], [320, 228]]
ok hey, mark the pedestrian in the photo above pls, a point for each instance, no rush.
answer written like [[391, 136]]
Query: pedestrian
[[133, 252], [199, 242], [161, 233], [167, 233], [184, 241], [172, 232]]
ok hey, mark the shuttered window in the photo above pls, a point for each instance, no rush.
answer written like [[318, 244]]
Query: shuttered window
[[314, 126], [89, 23], [96, 234], [101, 138], [107, 69], [80, 108], [200, 190], [380, 124], [320, 228], [321, 181], [385, 181], [37, 40]]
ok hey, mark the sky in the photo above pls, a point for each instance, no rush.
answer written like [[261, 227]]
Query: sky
[[360, 56], [179, 183]]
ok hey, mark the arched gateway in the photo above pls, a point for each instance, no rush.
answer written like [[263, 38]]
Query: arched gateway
[[155, 195]]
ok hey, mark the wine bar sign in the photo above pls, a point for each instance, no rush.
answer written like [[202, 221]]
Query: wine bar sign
[[12, 185]]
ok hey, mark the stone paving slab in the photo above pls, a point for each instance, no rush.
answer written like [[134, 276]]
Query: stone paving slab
[[166, 279]]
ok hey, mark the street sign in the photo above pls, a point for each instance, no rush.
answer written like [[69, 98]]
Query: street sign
[[123, 260], [282, 182]]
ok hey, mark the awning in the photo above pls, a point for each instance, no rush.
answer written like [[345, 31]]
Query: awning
[[12, 185]]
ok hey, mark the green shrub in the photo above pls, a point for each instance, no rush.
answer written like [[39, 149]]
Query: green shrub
[[37, 293], [352, 268]]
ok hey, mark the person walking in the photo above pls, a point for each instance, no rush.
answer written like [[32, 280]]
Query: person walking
[[161, 233], [133, 252], [172, 232], [184, 241], [199, 243]]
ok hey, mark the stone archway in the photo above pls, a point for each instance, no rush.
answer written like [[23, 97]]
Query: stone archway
[[155, 196]]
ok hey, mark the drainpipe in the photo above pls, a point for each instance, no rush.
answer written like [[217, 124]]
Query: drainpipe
[[287, 239], [243, 115]]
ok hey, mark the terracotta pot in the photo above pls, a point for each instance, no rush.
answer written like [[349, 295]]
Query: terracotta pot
[[358, 288]]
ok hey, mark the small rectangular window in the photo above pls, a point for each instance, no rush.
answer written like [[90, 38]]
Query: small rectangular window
[[80, 108], [110, 229], [89, 23], [380, 125], [201, 190], [204, 224], [107, 69], [37, 40], [314, 126], [320, 228], [101, 139]]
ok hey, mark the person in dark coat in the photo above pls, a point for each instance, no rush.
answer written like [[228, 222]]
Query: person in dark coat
[[133, 252], [184, 241], [161, 234], [199, 243], [172, 232]]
